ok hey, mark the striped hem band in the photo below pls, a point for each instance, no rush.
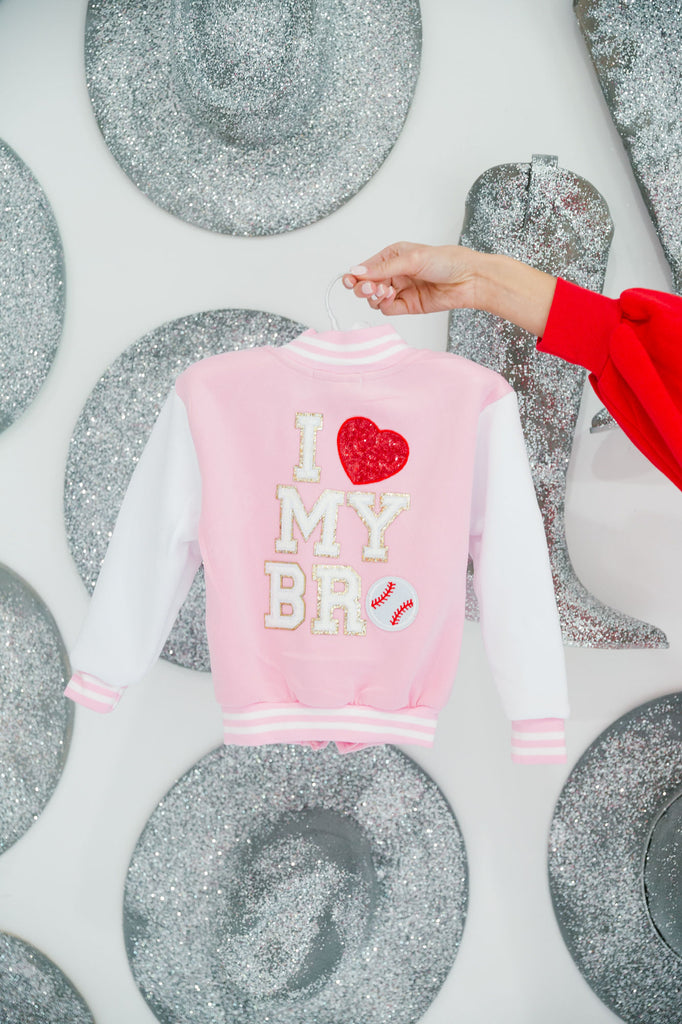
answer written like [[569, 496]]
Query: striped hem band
[[289, 723]]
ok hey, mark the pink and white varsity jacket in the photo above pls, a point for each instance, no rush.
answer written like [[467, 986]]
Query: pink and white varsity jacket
[[333, 488]]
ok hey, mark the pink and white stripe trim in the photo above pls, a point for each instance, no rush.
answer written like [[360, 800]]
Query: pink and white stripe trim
[[539, 741], [354, 723], [92, 692], [369, 345]]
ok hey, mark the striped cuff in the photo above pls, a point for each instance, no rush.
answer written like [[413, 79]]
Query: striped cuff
[[92, 693], [538, 741]]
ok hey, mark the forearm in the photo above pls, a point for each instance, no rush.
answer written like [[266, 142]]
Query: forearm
[[407, 277], [513, 290]]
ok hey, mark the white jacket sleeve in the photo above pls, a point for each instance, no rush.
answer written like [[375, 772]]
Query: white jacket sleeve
[[513, 584], [149, 566]]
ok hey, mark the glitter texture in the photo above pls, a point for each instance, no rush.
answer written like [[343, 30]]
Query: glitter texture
[[35, 719], [606, 821], [368, 454], [663, 875], [636, 49], [114, 427], [276, 885], [34, 990], [602, 420], [549, 217], [31, 286], [251, 117]]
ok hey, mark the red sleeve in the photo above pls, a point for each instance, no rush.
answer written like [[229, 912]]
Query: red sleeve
[[632, 347]]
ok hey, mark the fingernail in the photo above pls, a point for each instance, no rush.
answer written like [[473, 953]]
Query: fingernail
[[347, 282], [379, 291], [357, 270], [391, 292], [367, 288]]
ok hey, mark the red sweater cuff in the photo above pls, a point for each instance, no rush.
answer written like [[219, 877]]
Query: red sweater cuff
[[580, 325]]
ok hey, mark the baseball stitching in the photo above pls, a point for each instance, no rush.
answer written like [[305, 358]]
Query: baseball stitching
[[395, 618], [390, 587]]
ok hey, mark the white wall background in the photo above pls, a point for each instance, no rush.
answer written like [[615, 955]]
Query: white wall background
[[500, 80]]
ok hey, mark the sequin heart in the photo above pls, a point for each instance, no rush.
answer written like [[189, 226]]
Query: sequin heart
[[368, 454]]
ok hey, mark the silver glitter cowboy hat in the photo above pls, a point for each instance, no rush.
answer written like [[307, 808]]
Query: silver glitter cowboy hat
[[296, 886], [615, 864], [114, 426], [251, 117], [34, 989], [32, 286], [36, 724]]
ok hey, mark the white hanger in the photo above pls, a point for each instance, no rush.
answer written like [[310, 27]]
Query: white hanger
[[330, 313]]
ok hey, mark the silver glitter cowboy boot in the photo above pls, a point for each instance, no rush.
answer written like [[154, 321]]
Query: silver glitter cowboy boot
[[636, 50], [602, 420], [558, 222]]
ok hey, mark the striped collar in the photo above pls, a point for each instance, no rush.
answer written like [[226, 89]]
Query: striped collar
[[370, 347]]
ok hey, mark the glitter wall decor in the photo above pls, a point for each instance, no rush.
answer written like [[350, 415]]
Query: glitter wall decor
[[636, 49], [31, 286], [34, 990], [114, 427], [277, 884], [35, 719], [251, 117], [615, 856], [551, 218]]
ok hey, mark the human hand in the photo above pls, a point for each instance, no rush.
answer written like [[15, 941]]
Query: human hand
[[411, 278]]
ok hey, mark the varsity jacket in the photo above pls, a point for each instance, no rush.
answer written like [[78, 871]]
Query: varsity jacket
[[333, 488], [632, 347]]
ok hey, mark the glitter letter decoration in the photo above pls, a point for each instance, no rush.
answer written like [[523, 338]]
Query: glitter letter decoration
[[615, 864], [296, 886], [636, 49], [251, 117], [558, 222]]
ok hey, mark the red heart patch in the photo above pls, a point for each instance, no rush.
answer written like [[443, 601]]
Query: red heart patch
[[368, 454]]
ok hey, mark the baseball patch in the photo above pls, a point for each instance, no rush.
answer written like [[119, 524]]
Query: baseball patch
[[392, 603]]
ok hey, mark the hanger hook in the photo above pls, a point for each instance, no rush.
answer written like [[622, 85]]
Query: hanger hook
[[327, 302]]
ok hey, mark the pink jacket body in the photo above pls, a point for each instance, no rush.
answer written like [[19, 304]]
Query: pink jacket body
[[333, 489]]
